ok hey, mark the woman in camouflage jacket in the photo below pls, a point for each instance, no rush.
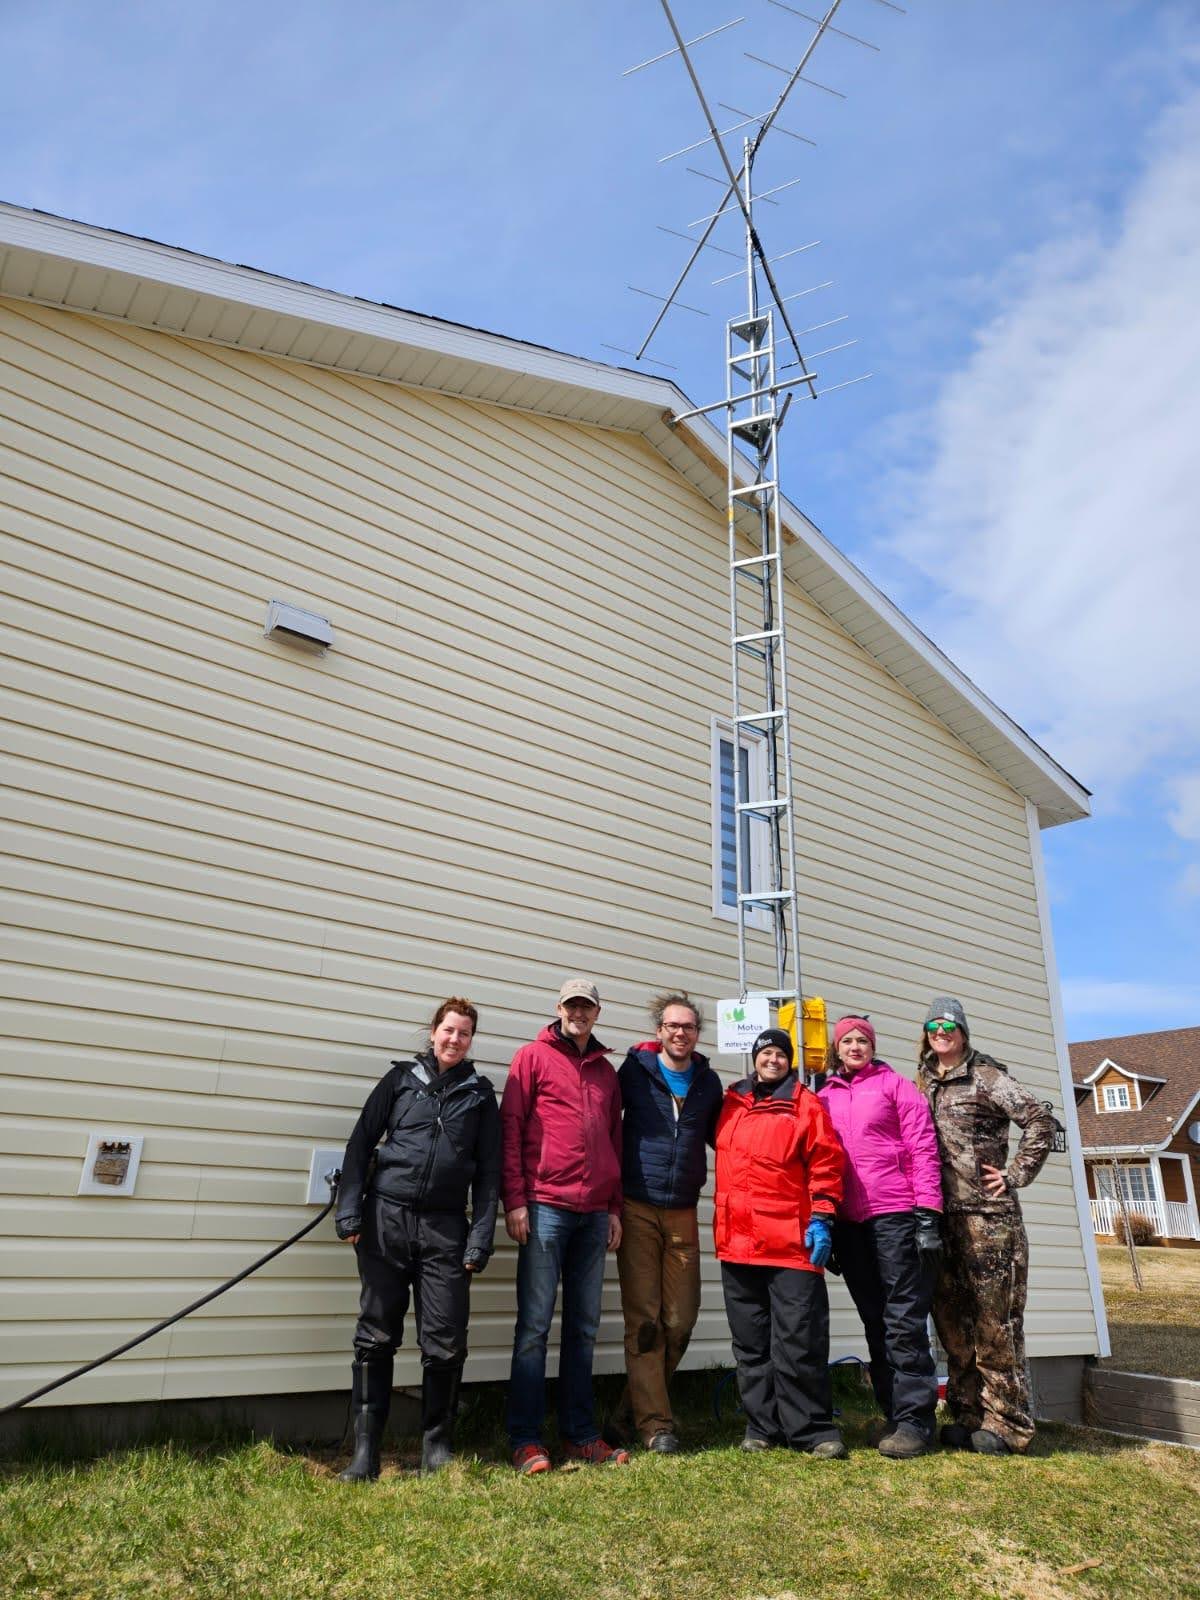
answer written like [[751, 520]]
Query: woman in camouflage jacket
[[979, 1301]]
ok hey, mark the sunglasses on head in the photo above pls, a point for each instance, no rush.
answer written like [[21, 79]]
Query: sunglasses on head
[[940, 1027]]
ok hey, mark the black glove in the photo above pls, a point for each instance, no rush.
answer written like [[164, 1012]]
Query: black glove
[[476, 1260], [347, 1227], [928, 1232]]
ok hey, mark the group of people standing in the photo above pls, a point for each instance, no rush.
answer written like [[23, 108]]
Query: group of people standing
[[905, 1189]]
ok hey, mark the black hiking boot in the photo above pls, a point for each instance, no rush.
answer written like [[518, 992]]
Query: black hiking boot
[[904, 1443], [955, 1436], [986, 1443]]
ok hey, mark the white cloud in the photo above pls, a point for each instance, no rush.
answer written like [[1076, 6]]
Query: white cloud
[[1057, 522], [1160, 1005]]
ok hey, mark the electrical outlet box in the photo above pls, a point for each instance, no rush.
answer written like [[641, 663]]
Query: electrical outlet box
[[110, 1166], [324, 1161]]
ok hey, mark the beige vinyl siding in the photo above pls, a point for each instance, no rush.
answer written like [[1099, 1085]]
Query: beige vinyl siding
[[238, 875]]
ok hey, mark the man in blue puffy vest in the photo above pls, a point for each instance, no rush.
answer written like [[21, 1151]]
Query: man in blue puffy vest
[[671, 1099]]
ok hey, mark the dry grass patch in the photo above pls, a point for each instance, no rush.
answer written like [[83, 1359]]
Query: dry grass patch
[[1157, 1330]]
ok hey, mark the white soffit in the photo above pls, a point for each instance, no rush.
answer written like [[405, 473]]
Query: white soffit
[[76, 267]]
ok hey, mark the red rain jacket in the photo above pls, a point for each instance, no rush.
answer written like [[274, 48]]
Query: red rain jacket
[[560, 1120], [778, 1162]]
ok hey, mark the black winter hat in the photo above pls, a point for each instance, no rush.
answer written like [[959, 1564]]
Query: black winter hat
[[776, 1036]]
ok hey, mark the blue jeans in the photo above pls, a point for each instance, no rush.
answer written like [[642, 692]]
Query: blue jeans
[[567, 1246]]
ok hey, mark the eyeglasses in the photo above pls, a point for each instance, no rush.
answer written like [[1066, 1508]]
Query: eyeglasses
[[679, 1027], [940, 1027]]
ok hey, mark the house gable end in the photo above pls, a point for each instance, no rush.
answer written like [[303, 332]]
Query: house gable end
[[75, 267]]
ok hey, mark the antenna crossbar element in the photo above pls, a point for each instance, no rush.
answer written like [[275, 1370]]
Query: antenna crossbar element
[[753, 394], [853, 37], [799, 249], [666, 54], [705, 244], [761, 116], [812, 82], [650, 295]]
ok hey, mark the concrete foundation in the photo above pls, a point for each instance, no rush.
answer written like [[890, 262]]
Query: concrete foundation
[[288, 1418]]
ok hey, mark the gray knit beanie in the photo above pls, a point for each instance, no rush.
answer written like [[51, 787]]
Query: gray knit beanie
[[946, 1009]]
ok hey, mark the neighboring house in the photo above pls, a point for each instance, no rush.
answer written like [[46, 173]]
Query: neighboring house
[[1137, 1099], [241, 872]]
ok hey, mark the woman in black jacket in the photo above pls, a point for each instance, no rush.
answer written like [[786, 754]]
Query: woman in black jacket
[[436, 1124]]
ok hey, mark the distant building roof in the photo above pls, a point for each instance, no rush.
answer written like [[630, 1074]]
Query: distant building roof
[[1168, 1063]]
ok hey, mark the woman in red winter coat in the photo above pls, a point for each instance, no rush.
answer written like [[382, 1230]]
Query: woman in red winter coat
[[887, 1234], [779, 1181]]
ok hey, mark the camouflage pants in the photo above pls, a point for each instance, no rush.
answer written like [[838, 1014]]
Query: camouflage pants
[[979, 1313]]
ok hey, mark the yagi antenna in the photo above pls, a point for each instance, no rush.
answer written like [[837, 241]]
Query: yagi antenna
[[758, 398]]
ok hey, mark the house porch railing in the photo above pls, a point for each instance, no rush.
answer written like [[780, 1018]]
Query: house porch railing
[[1175, 1220]]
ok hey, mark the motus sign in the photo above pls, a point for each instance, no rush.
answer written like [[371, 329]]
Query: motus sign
[[739, 1023]]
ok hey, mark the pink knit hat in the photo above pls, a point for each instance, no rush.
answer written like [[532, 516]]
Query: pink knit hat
[[845, 1025]]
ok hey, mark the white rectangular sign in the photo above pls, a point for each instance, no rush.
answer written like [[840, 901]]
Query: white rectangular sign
[[739, 1023]]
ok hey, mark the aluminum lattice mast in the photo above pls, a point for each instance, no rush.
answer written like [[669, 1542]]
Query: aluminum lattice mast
[[755, 405]]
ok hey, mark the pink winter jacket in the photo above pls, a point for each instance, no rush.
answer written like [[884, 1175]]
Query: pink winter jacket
[[892, 1161]]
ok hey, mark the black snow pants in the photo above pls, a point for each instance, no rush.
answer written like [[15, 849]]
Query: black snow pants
[[779, 1319], [892, 1289], [405, 1254]]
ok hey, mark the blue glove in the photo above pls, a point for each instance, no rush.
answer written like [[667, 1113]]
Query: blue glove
[[818, 1240]]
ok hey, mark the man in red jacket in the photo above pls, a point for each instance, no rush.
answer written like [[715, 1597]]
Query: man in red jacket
[[560, 1120]]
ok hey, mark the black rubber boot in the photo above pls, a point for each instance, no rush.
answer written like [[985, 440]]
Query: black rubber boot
[[439, 1407], [364, 1463], [370, 1401]]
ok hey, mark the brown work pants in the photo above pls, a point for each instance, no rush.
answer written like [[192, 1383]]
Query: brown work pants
[[659, 1267], [979, 1313]]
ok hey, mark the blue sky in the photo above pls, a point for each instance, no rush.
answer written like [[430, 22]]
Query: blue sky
[[1008, 202]]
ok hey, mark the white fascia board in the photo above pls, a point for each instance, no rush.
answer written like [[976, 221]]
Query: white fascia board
[[1109, 1065], [78, 243], [1058, 1030]]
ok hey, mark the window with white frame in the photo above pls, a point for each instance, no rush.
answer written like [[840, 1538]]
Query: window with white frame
[[1135, 1185], [1116, 1097], [751, 758]]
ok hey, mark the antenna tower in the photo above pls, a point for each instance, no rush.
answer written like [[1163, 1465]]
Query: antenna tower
[[756, 403]]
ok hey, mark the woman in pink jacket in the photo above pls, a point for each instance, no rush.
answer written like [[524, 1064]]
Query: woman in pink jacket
[[887, 1234]]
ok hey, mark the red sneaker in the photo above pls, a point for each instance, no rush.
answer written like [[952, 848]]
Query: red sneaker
[[531, 1458], [596, 1453]]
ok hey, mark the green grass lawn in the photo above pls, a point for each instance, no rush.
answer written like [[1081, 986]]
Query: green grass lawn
[[249, 1520], [1157, 1330]]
